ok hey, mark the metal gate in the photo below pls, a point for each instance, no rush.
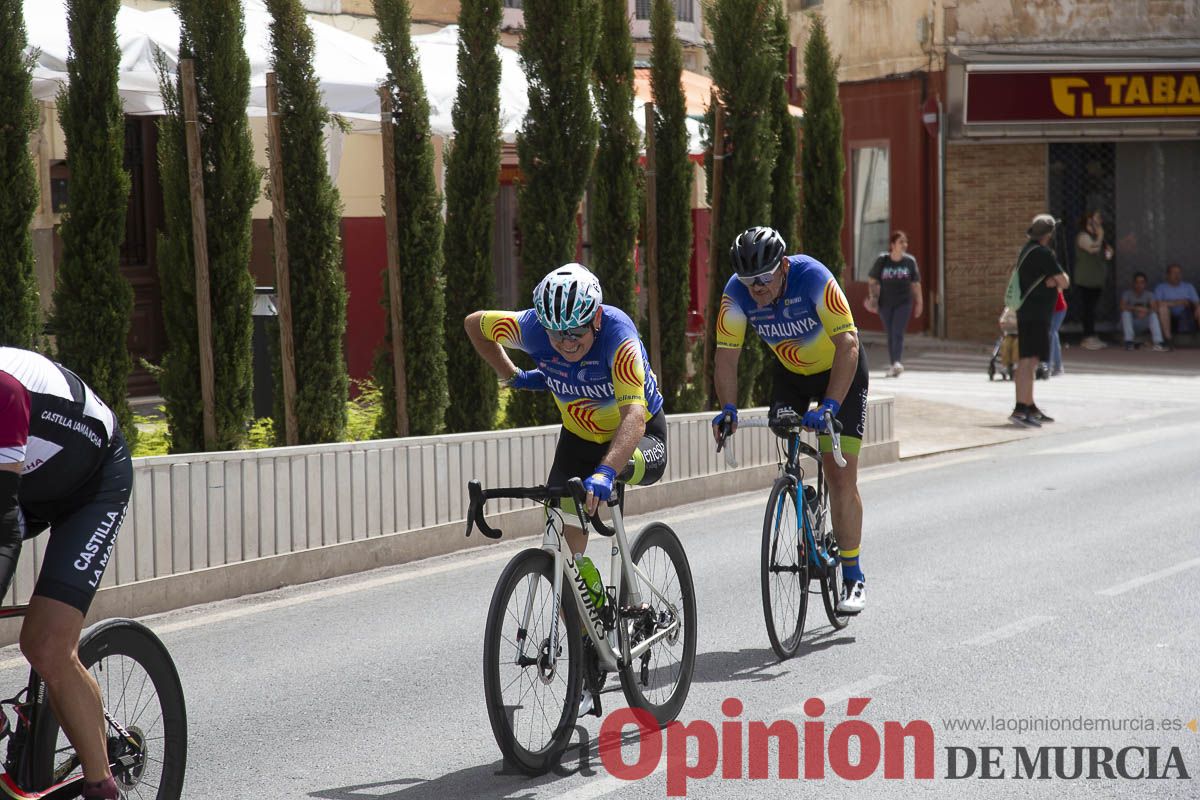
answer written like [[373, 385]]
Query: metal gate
[[1083, 177]]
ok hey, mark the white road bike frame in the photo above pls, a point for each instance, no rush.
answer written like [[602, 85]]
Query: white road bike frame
[[612, 645]]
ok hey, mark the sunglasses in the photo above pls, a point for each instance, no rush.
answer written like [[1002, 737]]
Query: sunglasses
[[573, 334], [763, 279]]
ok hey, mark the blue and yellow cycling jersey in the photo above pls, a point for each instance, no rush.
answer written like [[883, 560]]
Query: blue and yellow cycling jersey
[[798, 325], [590, 392]]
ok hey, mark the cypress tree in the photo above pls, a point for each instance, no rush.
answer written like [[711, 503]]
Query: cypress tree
[[616, 195], [93, 302], [419, 216], [18, 176], [472, 180], [211, 33], [673, 206], [747, 81], [822, 164], [318, 289], [783, 177], [555, 146]]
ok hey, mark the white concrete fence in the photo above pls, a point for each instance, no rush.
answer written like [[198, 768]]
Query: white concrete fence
[[210, 526]]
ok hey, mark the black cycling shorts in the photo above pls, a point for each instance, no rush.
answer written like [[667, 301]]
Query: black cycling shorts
[[578, 458], [83, 530], [1033, 337], [797, 392]]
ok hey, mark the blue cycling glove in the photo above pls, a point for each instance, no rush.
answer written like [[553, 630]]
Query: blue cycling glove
[[601, 482], [815, 419], [534, 380], [730, 411]]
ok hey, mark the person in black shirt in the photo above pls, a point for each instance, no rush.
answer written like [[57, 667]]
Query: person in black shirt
[[895, 294], [1041, 277]]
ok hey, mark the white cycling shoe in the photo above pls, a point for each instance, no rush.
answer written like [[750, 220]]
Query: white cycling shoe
[[854, 598], [587, 704]]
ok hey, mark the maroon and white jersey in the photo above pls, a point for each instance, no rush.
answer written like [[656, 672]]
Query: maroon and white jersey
[[51, 421]]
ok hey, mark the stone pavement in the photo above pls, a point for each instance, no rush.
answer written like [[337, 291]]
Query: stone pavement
[[944, 400]]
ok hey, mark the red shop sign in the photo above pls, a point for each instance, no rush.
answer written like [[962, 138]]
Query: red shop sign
[[1073, 95]]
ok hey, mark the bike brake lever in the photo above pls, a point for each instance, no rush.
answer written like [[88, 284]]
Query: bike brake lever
[[579, 495], [475, 517], [835, 433]]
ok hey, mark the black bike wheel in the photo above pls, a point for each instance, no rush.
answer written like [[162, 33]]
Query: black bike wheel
[[658, 681], [140, 689], [784, 571], [531, 703], [831, 583]]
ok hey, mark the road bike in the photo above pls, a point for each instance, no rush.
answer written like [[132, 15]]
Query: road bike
[[798, 545], [540, 652], [144, 713]]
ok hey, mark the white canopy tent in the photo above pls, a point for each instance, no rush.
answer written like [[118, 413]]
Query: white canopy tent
[[349, 67]]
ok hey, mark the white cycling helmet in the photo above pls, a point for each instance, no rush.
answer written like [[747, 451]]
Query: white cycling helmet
[[567, 298]]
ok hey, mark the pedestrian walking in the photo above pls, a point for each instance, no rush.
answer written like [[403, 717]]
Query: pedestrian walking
[[894, 293]]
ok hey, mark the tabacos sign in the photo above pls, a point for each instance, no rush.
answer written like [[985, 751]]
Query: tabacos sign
[[1064, 95]]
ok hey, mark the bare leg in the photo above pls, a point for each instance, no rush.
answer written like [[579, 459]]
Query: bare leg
[[576, 539], [1024, 380], [1164, 321], [845, 503], [50, 641]]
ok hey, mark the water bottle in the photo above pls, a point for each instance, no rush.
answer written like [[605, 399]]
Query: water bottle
[[591, 576]]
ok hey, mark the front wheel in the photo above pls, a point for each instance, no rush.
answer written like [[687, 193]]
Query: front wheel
[[658, 680], [531, 683], [784, 572], [140, 691]]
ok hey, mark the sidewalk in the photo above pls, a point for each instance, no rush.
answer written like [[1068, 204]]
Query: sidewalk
[[944, 400]]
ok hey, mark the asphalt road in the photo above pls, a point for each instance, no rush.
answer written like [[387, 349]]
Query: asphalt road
[[1050, 578]]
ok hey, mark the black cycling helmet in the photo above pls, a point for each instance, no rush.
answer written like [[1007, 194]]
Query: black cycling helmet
[[756, 250]]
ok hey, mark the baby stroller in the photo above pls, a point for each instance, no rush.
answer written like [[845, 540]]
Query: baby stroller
[[1006, 351]]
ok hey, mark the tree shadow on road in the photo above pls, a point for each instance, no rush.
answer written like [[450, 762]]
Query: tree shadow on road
[[496, 779]]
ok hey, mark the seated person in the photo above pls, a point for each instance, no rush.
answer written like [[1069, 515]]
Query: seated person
[[1139, 313], [1178, 304]]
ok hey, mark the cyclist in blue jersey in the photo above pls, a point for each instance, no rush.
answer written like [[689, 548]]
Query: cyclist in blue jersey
[[795, 305], [591, 358]]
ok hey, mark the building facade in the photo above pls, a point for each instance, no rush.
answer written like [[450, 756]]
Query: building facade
[[1044, 106]]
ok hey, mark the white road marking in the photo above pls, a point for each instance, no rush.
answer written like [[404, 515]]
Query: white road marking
[[1121, 588], [832, 697], [1007, 631]]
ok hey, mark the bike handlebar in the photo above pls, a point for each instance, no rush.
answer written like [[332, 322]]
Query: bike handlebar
[[787, 422], [542, 494]]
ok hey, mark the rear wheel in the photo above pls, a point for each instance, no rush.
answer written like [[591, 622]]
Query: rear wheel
[[147, 732], [831, 582], [658, 680], [532, 685], [784, 572]]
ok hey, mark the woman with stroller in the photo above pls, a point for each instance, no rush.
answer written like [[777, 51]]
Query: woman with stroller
[[894, 288]]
